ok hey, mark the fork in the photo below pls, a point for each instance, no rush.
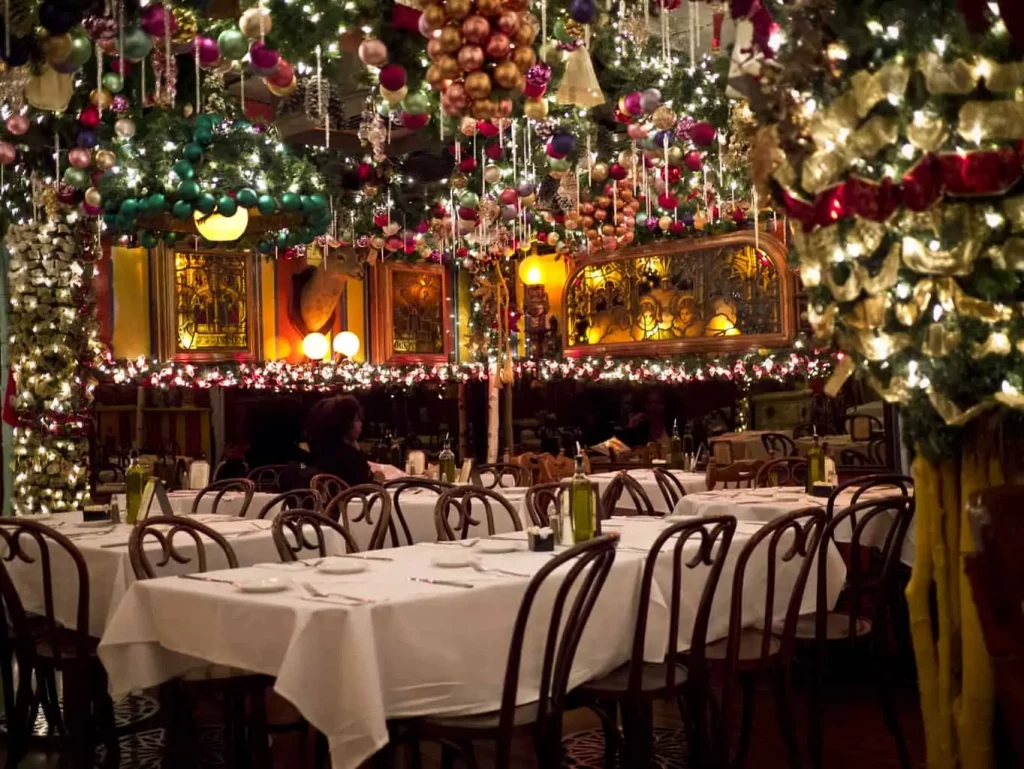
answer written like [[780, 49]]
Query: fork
[[477, 566], [459, 542], [316, 592]]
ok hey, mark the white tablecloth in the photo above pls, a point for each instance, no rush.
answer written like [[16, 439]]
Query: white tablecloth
[[418, 509], [420, 649], [747, 443], [692, 483], [836, 445], [769, 503], [110, 572], [230, 503]]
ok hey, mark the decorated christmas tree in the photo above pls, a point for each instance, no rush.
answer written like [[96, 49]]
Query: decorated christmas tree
[[892, 132]]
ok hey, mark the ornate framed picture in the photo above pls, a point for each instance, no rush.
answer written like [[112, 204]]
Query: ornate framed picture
[[206, 307], [411, 313]]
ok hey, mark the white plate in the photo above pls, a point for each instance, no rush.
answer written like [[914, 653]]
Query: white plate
[[263, 585], [497, 546], [104, 524], [342, 566], [453, 561]]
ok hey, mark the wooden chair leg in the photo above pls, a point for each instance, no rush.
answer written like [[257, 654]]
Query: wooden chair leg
[[19, 722], [638, 725], [889, 715], [49, 700], [784, 713], [608, 712], [78, 718], [748, 681]]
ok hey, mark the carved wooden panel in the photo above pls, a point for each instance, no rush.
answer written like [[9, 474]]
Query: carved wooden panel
[[410, 313]]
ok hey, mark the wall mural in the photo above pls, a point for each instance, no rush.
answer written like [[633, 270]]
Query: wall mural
[[211, 312]]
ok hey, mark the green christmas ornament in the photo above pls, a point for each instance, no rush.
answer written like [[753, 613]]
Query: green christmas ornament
[[203, 135], [469, 199], [188, 190], [282, 239], [416, 103], [113, 82], [156, 202], [171, 238], [318, 201], [143, 206], [246, 197], [206, 203], [148, 240], [125, 223], [193, 152], [306, 205], [81, 49], [137, 45], [558, 164], [183, 169], [290, 202], [266, 204], [232, 44], [129, 209], [76, 177], [226, 206], [562, 34], [265, 246], [182, 210]]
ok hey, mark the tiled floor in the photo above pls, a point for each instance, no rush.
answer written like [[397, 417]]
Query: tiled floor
[[855, 736]]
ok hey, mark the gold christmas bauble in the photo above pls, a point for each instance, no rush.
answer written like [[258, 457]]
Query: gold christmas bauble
[[435, 16], [93, 197], [105, 160], [478, 85], [449, 67], [394, 97], [434, 77], [458, 9], [489, 7], [492, 174], [599, 172], [187, 25], [525, 35], [665, 222], [458, 181], [370, 191], [626, 159], [536, 109], [675, 156], [663, 118], [484, 109], [451, 39], [100, 97], [506, 74], [255, 23], [524, 57]]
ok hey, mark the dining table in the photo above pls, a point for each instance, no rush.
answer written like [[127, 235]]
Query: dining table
[[230, 504], [766, 504], [417, 630], [104, 548], [691, 482]]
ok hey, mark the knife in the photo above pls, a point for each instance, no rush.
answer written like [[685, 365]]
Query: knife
[[201, 578], [448, 582]]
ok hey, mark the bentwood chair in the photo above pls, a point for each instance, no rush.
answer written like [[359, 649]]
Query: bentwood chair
[[747, 652], [234, 687], [855, 458], [787, 471], [327, 485], [267, 477], [634, 687], [466, 501], [367, 504], [996, 574], [778, 445], [863, 427], [738, 475], [399, 488], [547, 500], [45, 646], [301, 525], [306, 499], [218, 489], [858, 623], [585, 568], [624, 483], [499, 475], [671, 487]]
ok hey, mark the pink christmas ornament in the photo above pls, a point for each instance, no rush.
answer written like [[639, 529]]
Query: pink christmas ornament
[[155, 19], [17, 125], [263, 60], [209, 54], [372, 53], [8, 153], [79, 157]]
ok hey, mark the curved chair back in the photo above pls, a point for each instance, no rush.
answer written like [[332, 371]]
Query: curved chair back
[[465, 501], [671, 487], [306, 499], [267, 478], [863, 427], [545, 500], [787, 471], [623, 482], [31, 545], [500, 475], [400, 487], [738, 475], [367, 504], [301, 525], [163, 530], [889, 482], [778, 445], [327, 485], [219, 488], [585, 569]]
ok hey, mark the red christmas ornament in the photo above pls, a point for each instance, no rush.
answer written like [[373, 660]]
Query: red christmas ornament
[[703, 134], [542, 237], [415, 122], [509, 197], [739, 216], [674, 175], [381, 220], [364, 171], [468, 165], [621, 116], [487, 128], [677, 228], [494, 151], [89, 117], [467, 213], [422, 228], [534, 90], [392, 77], [693, 160], [668, 202], [617, 171]]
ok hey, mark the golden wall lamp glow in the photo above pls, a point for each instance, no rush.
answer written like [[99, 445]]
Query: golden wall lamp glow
[[222, 229]]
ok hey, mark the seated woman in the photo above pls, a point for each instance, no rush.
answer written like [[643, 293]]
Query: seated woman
[[332, 429]]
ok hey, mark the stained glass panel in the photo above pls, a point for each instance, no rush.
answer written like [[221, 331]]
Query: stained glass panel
[[417, 312], [211, 303]]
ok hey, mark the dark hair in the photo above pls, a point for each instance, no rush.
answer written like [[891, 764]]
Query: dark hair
[[329, 421]]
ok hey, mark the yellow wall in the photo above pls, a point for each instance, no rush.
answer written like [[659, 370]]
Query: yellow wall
[[130, 321], [268, 308], [356, 320]]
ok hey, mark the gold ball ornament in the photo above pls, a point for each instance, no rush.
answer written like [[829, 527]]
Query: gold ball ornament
[[451, 39], [394, 97], [489, 7], [664, 223], [434, 77], [93, 197], [506, 74], [458, 9], [524, 58], [435, 16], [125, 128], [105, 160], [525, 35], [575, 29], [484, 109], [599, 172], [536, 109], [100, 97], [626, 159], [459, 181], [663, 118], [492, 174], [529, 200], [255, 23], [478, 85], [188, 26], [675, 156], [370, 191], [449, 67], [378, 242], [434, 49]]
